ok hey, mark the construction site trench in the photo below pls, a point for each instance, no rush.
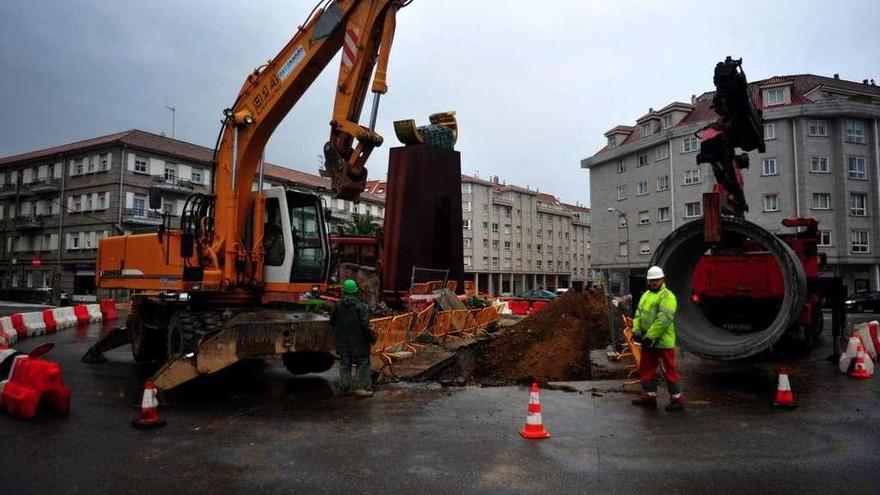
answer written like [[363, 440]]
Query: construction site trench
[[551, 345]]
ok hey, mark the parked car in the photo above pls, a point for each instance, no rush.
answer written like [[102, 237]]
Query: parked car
[[869, 299], [537, 294], [561, 291]]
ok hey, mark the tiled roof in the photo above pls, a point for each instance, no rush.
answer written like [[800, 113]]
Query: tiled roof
[[801, 84]]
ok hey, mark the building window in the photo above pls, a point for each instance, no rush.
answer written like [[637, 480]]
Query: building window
[[647, 129], [821, 201], [819, 164], [140, 165], [663, 183], [196, 176], [494, 227], [769, 167], [771, 202], [858, 204], [466, 188], [693, 210], [857, 169], [663, 151], [622, 249], [643, 160], [621, 192], [466, 206], [859, 241], [77, 203], [467, 261], [538, 264], [78, 166], [817, 128], [140, 205], [663, 214], [825, 238], [507, 246], [643, 188], [775, 96], [92, 164], [105, 162], [90, 205], [466, 224], [692, 176], [855, 131], [644, 218], [769, 131], [621, 166], [494, 262], [171, 172], [690, 144], [644, 247], [612, 141], [667, 121]]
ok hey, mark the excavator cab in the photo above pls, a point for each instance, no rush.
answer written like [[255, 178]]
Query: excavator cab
[[295, 239]]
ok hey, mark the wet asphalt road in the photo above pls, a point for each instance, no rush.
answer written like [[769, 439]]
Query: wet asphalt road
[[258, 429]]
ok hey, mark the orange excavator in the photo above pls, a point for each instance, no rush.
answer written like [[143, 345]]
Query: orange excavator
[[200, 290]]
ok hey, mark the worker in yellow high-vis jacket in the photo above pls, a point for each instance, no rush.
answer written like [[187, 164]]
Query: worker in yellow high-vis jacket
[[654, 328]]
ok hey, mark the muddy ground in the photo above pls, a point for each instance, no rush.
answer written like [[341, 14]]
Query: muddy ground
[[552, 345]]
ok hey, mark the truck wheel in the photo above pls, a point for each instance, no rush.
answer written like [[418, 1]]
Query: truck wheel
[[300, 363]]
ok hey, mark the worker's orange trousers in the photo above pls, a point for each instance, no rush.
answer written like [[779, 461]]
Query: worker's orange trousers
[[651, 359]]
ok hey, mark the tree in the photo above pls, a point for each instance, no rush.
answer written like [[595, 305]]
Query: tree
[[365, 225]]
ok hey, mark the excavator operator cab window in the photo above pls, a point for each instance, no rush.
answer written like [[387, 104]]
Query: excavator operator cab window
[[310, 245], [273, 233]]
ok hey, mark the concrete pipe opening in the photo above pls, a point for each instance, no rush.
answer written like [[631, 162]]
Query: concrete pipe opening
[[702, 334]]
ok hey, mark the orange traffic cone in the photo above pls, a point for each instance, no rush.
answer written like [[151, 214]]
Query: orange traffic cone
[[149, 417], [534, 426], [859, 370], [784, 397]]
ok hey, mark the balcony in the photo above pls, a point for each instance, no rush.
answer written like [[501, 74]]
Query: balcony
[[502, 200], [137, 216], [29, 222], [8, 190], [46, 185], [172, 184]]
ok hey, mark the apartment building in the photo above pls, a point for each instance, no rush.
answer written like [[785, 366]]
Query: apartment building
[[517, 239], [822, 161], [57, 203]]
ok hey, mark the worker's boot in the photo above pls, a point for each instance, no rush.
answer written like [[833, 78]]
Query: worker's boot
[[646, 401], [676, 404]]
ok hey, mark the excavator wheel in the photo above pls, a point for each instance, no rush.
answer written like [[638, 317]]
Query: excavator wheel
[[300, 363], [187, 329], [146, 346]]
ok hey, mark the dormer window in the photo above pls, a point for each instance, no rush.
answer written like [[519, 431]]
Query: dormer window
[[774, 96], [667, 121], [647, 129], [612, 141]]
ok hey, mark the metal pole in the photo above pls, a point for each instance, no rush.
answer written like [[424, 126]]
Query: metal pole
[[628, 254], [375, 111]]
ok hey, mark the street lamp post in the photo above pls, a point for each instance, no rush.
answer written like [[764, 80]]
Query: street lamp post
[[628, 254]]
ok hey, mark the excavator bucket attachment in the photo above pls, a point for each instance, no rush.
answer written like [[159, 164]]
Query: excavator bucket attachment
[[344, 183]]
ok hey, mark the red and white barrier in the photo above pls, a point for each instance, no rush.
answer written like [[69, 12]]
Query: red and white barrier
[[82, 314], [108, 308], [34, 323], [63, 319], [95, 314], [10, 336], [29, 382]]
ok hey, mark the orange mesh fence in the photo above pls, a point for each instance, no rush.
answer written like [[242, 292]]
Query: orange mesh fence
[[420, 288], [434, 285], [442, 323], [399, 330], [459, 317], [422, 321], [452, 285], [471, 320], [381, 327], [469, 288]]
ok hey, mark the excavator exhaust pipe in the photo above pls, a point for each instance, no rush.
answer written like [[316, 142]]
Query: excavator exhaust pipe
[[678, 255]]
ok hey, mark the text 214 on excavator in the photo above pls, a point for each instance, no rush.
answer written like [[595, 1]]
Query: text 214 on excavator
[[198, 288]]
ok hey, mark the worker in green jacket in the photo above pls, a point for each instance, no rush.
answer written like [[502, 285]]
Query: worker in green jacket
[[350, 322], [654, 328]]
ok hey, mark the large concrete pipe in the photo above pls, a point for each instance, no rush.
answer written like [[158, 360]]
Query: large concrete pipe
[[678, 255]]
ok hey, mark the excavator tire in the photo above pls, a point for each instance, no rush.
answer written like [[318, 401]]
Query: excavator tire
[[187, 329], [678, 255], [147, 346]]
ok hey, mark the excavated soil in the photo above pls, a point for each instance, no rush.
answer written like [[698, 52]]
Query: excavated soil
[[552, 345]]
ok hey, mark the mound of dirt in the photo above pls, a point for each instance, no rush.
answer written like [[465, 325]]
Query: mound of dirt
[[552, 345]]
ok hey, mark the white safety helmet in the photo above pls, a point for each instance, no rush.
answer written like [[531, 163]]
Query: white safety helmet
[[655, 272]]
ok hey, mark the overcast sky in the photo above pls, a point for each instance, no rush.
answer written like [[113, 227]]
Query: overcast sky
[[535, 84]]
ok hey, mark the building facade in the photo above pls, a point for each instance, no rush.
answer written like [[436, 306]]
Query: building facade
[[822, 161], [57, 203], [517, 239]]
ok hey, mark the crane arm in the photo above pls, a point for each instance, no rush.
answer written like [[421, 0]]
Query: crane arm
[[363, 30]]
